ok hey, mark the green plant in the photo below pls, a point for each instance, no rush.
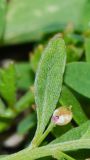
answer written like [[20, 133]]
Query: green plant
[[45, 100], [50, 90]]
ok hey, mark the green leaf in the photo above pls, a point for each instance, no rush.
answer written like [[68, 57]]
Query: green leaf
[[2, 107], [25, 101], [26, 124], [29, 20], [49, 79], [25, 77], [87, 49], [77, 77], [8, 114], [83, 131], [85, 20], [3, 126], [68, 99], [2, 16], [8, 84]]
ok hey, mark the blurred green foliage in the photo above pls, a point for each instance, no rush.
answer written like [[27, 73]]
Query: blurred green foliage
[[30, 20]]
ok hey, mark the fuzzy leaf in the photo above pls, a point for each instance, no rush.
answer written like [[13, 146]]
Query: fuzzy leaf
[[68, 99], [77, 76], [49, 79]]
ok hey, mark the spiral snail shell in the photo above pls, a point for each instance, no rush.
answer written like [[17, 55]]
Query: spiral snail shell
[[62, 116]]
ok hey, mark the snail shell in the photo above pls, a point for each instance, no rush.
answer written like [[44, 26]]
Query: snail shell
[[62, 116]]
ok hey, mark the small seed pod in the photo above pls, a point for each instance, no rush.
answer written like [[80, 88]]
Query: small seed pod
[[62, 116]]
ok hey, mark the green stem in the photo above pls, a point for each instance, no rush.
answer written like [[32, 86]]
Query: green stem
[[49, 150], [37, 141], [59, 155]]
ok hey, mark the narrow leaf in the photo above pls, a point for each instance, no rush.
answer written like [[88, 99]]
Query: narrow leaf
[[49, 79]]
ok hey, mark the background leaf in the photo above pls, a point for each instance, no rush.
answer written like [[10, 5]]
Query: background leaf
[[73, 53], [3, 126], [77, 76], [86, 15], [8, 84], [38, 18], [26, 124], [68, 99], [25, 101], [25, 76], [2, 107], [87, 49], [48, 80], [2, 16]]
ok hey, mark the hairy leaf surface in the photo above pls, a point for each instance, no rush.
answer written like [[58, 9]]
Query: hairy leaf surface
[[48, 82]]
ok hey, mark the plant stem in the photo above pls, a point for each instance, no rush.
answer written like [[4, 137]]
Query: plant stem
[[37, 141], [49, 150], [59, 155]]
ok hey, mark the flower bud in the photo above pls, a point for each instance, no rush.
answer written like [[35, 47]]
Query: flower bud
[[62, 116]]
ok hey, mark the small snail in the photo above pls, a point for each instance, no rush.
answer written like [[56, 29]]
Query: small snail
[[62, 116]]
